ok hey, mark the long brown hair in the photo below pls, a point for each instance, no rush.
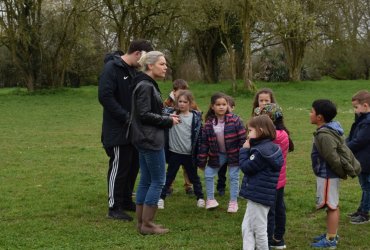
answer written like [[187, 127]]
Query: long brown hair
[[188, 96], [264, 126], [211, 113]]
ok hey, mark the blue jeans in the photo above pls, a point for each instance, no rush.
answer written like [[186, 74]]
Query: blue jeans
[[364, 180], [209, 174], [277, 217], [152, 176]]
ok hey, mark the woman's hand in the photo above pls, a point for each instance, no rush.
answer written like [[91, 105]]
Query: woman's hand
[[175, 119]]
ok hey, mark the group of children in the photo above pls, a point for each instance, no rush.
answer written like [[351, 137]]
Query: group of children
[[221, 142]]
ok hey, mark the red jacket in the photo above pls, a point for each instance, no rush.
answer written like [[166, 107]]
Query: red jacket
[[282, 139]]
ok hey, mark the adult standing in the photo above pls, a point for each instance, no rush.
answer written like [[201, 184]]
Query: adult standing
[[115, 91], [147, 134]]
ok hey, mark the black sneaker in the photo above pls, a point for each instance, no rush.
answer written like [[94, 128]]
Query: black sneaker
[[360, 219], [277, 244], [119, 214], [129, 207], [354, 214]]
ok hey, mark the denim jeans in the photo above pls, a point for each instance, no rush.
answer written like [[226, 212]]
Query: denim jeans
[[152, 176], [175, 160], [209, 174], [277, 217], [364, 180]]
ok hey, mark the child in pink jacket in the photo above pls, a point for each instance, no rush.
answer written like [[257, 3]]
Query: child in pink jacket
[[276, 216]]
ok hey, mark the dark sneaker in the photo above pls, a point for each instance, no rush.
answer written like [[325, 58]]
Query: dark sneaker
[[325, 243], [278, 244], [189, 191], [221, 192], [322, 236], [360, 219], [354, 214], [119, 214], [129, 207]]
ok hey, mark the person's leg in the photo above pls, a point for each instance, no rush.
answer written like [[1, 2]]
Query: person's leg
[[188, 186], [332, 222], [209, 174], [142, 190], [366, 191], [280, 215], [332, 217], [156, 160], [271, 221], [260, 225], [234, 183], [174, 163], [221, 182], [193, 176], [131, 158], [247, 230]]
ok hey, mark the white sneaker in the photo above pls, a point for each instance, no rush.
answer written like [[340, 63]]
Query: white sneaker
[[160, 204], [201, 203]]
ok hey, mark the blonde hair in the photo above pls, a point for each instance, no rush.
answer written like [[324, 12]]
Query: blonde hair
[[149, 58]]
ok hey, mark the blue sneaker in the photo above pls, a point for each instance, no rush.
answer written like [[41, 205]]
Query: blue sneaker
[[322, 236], [325, 243]]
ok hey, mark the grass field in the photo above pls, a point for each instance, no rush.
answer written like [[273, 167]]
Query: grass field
[[53, 175]]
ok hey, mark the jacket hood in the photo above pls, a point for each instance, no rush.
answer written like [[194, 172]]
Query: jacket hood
[[334, 125], [271, 152]]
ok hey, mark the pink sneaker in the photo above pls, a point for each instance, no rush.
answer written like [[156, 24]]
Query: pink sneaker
[[210, 204], [233, 207]]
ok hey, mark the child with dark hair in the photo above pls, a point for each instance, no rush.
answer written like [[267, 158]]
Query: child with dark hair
[[223, 135], [359, 143], [325, 159], [221, 182], [260, 160]]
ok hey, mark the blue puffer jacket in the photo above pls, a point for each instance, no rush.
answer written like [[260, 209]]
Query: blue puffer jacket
[[359, 141], [261, 166]]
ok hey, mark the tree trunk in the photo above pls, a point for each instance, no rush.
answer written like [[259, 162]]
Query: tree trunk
[[248, 25], [294, 51]]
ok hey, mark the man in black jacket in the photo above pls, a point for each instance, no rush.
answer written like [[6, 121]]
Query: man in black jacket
[[115, 91]]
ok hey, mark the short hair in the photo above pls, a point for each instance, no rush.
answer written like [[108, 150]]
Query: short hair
[[139, 45], [362, 96], [149, 58], [265, 128], [180, 84], [326, 108]]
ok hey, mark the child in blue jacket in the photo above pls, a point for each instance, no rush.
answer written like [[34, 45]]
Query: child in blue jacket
[[260, 160], [359, 143]]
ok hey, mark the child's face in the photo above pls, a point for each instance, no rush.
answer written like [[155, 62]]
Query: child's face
[[313, 116], [183, 104], [263, 99], [220, 107], [252, 134], [360, 108]]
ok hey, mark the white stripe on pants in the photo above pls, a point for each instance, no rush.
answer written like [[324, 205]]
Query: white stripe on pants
[[254, 227]]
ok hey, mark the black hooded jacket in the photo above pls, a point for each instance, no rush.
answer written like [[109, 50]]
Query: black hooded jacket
[[149, 121], [115, 91]]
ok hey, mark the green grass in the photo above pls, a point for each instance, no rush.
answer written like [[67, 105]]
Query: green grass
[[53, 175]]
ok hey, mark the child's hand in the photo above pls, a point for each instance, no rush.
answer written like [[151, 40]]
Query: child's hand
[[246, 144]]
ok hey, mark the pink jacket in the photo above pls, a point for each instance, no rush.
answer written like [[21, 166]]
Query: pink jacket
[[282, 139]]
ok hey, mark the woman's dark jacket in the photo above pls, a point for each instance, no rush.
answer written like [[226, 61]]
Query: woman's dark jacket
[[261, 166], [148, 119]]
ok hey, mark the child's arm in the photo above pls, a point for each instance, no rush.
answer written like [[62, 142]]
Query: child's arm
[[203, 149], [327, 148], [361, 140], [241, 132]]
